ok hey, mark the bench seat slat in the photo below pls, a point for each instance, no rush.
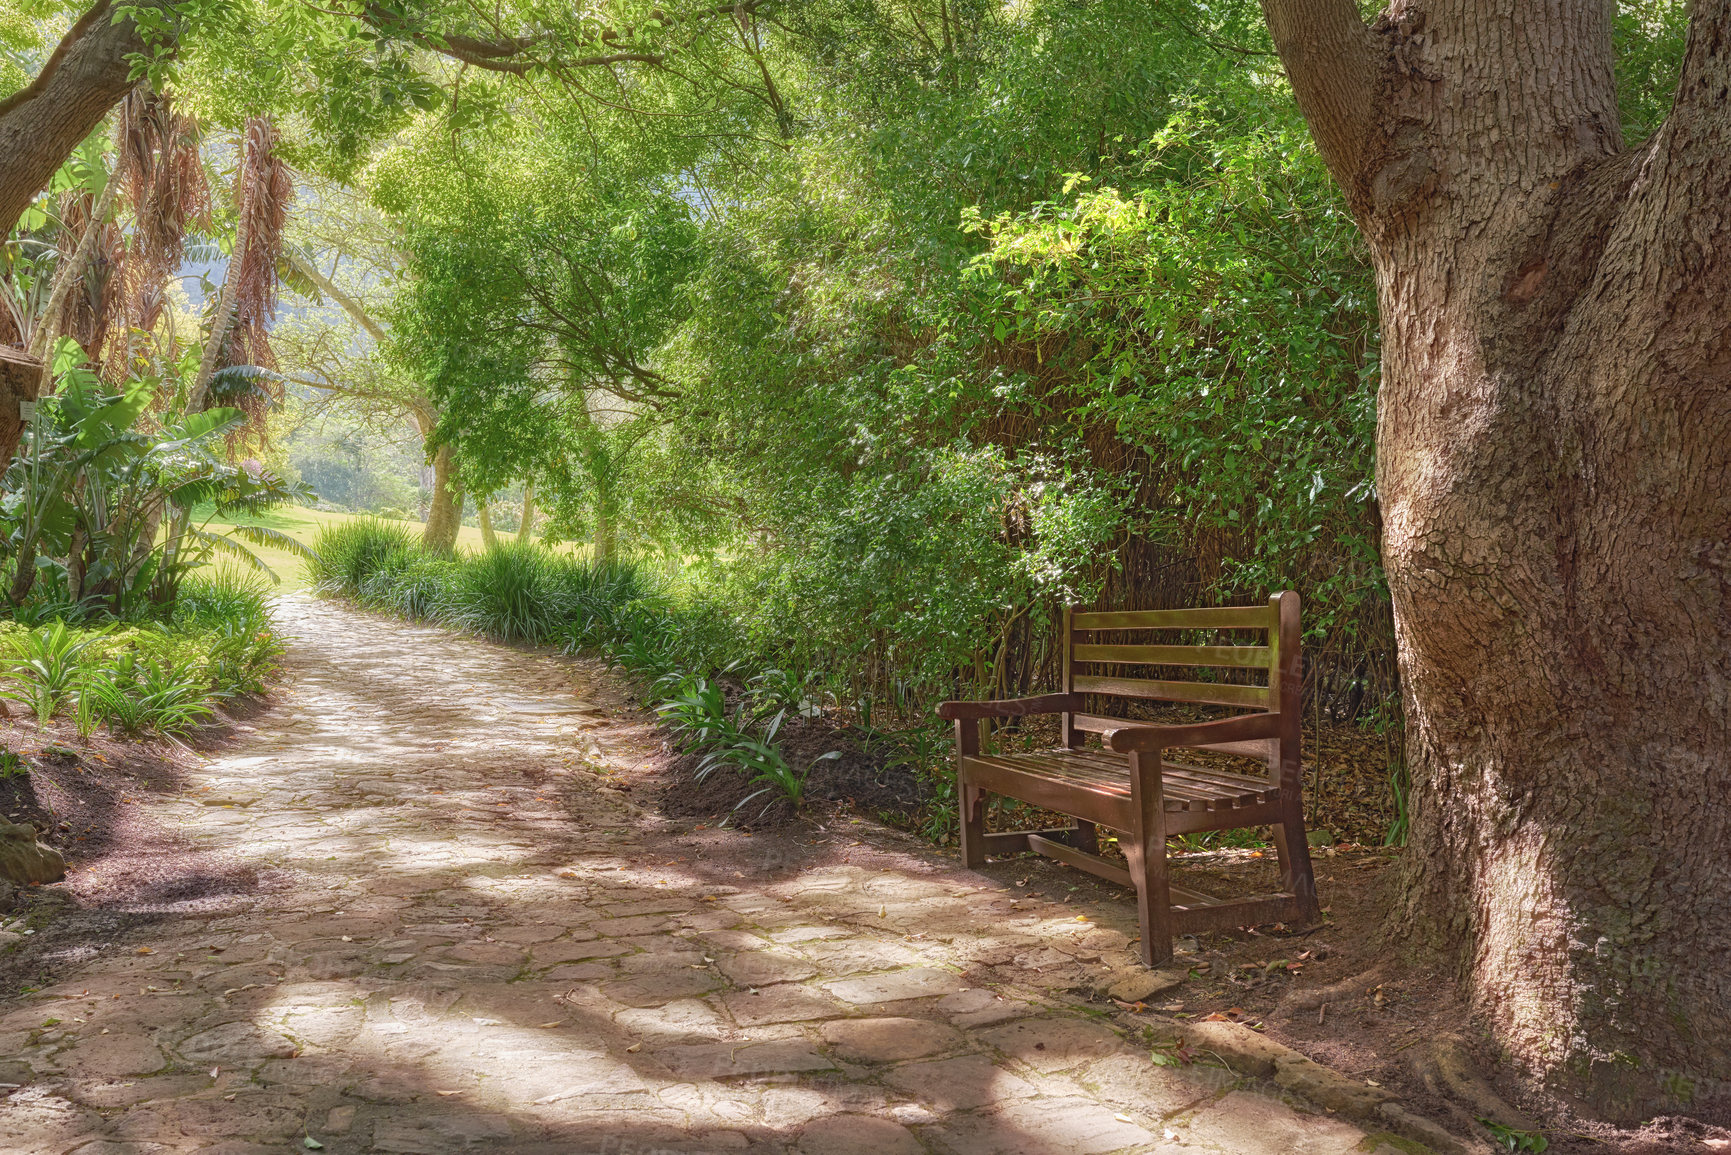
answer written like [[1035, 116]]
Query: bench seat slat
[[1180, 779], [1107, 775]]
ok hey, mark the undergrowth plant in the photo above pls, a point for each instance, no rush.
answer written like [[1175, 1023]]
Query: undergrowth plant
[[505, 593], [346, 554], [42, 667], [153, 675], [137, 696]]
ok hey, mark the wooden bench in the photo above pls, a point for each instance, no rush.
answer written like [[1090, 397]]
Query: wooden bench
[[1130, 786]]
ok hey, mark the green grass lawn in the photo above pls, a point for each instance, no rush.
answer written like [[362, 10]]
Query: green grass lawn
[[303, 525]]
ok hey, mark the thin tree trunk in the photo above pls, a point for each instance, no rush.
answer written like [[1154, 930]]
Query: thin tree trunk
[[1553, 449], [356, 311], [446, 516], [23, 577], [489, 540], [219, 323], [606, 532], [526, 530]]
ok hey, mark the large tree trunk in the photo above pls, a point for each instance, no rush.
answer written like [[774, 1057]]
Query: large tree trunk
[[20, 377], [44, 121], [446, 517], [1554, 465]]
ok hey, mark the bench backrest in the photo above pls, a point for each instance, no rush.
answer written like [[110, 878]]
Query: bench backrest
[[1091, 667]]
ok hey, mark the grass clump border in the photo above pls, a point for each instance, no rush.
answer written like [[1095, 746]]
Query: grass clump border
[[674, 641]]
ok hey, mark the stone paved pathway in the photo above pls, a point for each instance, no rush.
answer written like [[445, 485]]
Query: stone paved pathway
[[474, 942]]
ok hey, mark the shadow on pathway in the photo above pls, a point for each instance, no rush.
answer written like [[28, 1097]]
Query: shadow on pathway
[[478, 943]]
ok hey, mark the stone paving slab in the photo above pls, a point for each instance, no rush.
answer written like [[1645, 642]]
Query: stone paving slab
[[470, 943]]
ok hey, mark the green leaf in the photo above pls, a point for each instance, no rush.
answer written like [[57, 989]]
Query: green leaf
[[263, 535]]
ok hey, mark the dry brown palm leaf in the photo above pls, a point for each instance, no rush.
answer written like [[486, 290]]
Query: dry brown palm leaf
[[88, 309], [263, 190], [163, 177]]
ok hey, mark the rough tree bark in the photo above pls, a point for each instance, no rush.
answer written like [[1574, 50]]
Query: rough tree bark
[[43, 122], [20, 379], [1554, 466]]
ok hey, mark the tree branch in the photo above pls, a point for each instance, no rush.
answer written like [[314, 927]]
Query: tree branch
[[349, 305], [1331, 59], [1706, 62], [515, 55], [40, 124]]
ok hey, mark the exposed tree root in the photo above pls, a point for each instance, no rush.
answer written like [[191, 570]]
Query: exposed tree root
[[1313, 997], [1448, 1070]]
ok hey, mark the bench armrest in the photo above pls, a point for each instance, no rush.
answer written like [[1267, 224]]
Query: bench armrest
[[1011, 707], [1146, 738]]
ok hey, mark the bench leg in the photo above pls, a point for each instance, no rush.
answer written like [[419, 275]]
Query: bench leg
[[1085, 836], [971, 801], [1146, 852], [1296, 875]]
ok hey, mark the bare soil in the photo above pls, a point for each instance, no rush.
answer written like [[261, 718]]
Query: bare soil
[[125, 869]]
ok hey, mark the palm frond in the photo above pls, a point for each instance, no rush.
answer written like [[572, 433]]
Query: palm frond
[[217, 543], [263, 535], [288, 271], [237, 385]]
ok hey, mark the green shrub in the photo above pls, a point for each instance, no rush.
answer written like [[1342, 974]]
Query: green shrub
[[42, 667], [161, 676], [212, 598], [411, 583], [504, 593], [138, 696], [348, 553], [591, 595]]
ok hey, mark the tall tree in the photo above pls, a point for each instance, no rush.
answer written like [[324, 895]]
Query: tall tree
[[361, 248], [240, 321], [1554, 466]]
